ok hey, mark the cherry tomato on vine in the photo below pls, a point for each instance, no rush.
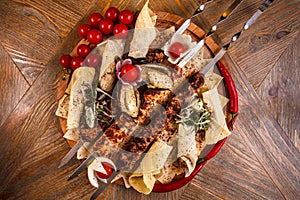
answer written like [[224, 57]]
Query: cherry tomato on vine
[[92, 60], [76, 62], [94, 19], [94, 36], [84, 29], [176, 49], [126, 17], [83, 50], [108, 170], [129, 73], [106, 26], [120, 31], [65, 61], [112, 13]]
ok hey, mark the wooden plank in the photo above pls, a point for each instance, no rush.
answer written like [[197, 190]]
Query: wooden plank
[[272, 32], [33, 113], [237, 19], [235, 173], [39, 176], [25, 124], [29, 119], [266, 139], [214, 10], [195, 193], [32, 151], [31, 31], [281, 94], [13, 85]]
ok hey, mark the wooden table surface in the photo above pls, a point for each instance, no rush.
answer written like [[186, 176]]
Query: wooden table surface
[[260, 160]]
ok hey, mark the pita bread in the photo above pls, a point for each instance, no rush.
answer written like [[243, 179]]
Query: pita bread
[[162, 37], [172, 170], [144, 32], [63, 107], [113, 48], [82, 75], [218, 129], [143, 179], [187, 150], [212, 79]]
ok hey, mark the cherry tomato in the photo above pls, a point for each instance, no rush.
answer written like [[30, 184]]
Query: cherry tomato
[[65, 61], [112, 13], [83, 50], [94, 19], [106, 26], [176, 49], [76, 62], [84, 29], [108, 170], [126, 17], [129, 73], [92, 60], [94, 36], [120, 31]]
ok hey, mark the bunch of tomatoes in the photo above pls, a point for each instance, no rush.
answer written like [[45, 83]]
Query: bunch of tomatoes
[[114, 22]]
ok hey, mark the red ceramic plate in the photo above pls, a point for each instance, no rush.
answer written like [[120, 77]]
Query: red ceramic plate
[[166, 20], [174, 185]]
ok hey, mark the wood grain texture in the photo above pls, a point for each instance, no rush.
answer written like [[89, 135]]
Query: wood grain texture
[[259, 161], [33, 113], [235, 20], [275, 152], [31, 31], [12, 89], [164, 20], [41, 170], [278, 91], [274, 30], [249, 181]]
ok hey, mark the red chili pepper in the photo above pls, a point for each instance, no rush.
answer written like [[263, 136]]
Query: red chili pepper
[[215, 149], [233, 108]]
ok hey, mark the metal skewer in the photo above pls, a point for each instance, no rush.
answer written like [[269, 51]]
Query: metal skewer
[[252, 19], [187, 22], [79, 144], [103, 186], [71, 153], [84, 165], [134, 132], [200, 44], [100, 189], [212, 63]]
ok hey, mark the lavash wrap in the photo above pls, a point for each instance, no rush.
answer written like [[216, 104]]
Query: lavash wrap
[[144, 178], [71, 105], [113, 48], [157, 167], [144, 32], [218, 119]]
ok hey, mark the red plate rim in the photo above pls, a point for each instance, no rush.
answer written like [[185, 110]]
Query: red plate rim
[[174, 185]]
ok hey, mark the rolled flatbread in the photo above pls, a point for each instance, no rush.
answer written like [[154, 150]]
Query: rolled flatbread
[[144, 32], [114, 48], [217, 129], [82, 75], [143, 179], [187, 149], [63, 107]]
